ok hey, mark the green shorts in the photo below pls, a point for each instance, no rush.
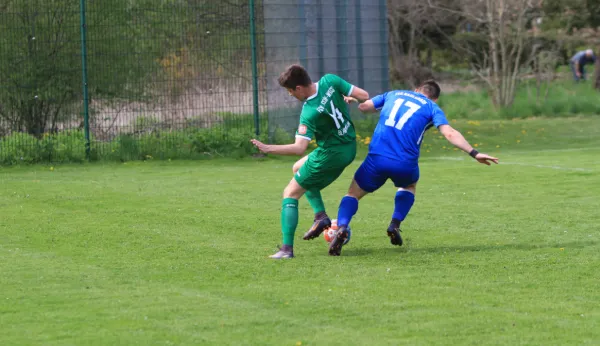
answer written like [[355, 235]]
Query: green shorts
[[324, 166]]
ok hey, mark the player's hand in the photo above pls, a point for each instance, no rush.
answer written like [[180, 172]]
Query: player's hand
[[486, 159], [349, 99], [264, 148], [578, 74]]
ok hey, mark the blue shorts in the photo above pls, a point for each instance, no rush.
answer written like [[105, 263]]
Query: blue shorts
[[376, 170]]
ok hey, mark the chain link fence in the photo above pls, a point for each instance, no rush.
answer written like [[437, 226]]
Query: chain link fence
[[125, 79]]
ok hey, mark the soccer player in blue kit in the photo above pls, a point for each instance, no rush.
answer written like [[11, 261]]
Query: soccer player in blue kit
[[394, 153]]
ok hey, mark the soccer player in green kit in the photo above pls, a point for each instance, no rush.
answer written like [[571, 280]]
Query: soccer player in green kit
[[325, 116]]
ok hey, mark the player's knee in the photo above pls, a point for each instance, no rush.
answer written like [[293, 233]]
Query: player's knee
[[296, 167], [298, 164], [293, 190], [410, 188], [355, 191]]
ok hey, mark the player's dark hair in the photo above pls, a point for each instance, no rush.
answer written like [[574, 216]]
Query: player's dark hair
[[294, 76], [431, 89]]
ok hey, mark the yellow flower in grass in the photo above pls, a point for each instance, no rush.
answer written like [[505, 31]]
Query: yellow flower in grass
[[469, 132], [518, 141], [475, 145], [367, 140]]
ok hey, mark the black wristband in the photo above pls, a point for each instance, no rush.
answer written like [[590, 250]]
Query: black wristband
[[473, 153]]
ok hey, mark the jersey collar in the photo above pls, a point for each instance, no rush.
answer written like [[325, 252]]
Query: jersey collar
[[315, 94]]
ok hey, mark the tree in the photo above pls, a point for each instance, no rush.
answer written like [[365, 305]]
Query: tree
[[416, 27], [40, 59], [38, 78], [502, 25]]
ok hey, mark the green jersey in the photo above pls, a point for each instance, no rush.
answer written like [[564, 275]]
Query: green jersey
[[325, 115]]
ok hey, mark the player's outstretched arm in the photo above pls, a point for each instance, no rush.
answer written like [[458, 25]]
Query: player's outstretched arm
[[359, 94], [297, 148], [365, 107], [459, 141]]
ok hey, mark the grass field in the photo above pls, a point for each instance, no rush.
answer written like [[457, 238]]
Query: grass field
[[175, 253]]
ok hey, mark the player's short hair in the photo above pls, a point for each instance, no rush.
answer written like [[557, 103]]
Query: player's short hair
[[431, 89], [293, 76]]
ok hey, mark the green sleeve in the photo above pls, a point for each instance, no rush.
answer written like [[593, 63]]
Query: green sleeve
[[306, 129], [340, 84]]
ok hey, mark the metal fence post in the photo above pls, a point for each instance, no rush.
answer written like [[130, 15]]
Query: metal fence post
[[86, 110], [320, 48], [303, 45], [384, 45], [359, 43], [342, 40], [254, 68]]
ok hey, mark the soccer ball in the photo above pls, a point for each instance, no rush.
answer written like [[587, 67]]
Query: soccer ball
[[330, 232]]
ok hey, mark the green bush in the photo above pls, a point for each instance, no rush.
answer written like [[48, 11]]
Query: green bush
[[194, 143], [191, 143], [19, 147]]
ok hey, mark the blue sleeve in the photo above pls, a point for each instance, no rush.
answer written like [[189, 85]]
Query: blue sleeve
[[379, 101], [439, 118]]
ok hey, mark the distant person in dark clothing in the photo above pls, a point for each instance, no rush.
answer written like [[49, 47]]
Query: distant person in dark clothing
[[578, 62]]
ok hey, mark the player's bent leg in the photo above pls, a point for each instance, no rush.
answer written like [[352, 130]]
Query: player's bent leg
[[403, 202], [366, 180], [315, 176], [349, 204], [293, 190], [356, 191], [321, 221], [289, 219], [298, 164], [316, 203], [313, 195], [412, 188]]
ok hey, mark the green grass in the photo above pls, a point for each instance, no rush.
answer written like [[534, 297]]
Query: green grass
[[175, 253]]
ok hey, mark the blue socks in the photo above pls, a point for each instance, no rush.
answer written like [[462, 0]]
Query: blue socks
[[348, 207], [403, 202]]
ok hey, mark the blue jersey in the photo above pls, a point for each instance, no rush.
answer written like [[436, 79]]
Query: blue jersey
[[405, 116]]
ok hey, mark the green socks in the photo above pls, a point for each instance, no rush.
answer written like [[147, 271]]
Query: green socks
[[289, 220], [315, 200]]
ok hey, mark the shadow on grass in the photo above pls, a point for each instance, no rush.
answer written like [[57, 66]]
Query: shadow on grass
[[407, 248]]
